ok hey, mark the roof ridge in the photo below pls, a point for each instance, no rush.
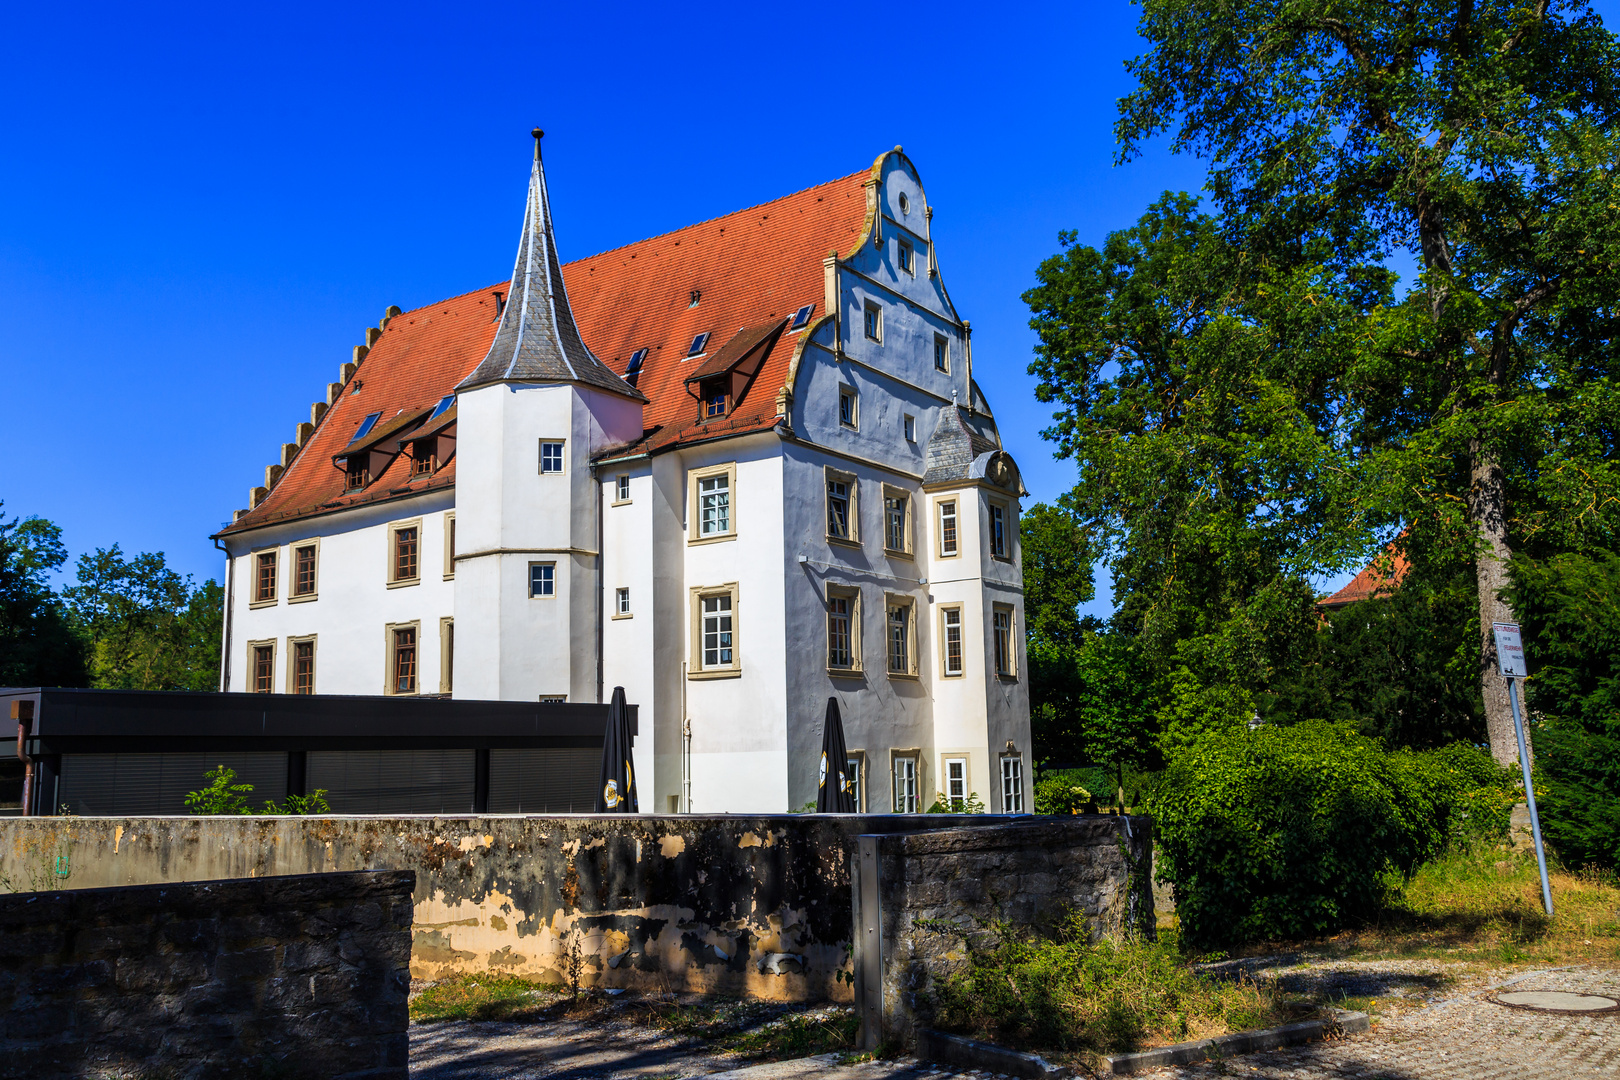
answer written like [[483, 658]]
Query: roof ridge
[[721, 217], [447, 299]]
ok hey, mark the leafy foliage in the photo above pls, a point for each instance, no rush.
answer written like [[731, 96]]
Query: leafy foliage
[[1060, 791], [1571, 612], [38, 646], [1289, 832], [1057, 560], [147, 626], [221, 795]]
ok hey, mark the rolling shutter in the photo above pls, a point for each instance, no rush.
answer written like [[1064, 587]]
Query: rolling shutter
[[544, 781], [393, 781]]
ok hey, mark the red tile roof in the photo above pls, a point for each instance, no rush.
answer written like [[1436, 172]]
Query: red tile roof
[[748, 267], [1378, 578]]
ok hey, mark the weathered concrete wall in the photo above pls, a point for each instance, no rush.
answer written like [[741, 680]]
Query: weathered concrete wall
[[926, 900], [287, 976], [729, 904]]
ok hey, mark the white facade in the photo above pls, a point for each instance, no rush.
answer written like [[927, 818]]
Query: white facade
[[638, 562]]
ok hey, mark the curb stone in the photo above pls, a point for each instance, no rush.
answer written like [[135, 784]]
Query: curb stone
[[1242, 1042], [972, 1054]]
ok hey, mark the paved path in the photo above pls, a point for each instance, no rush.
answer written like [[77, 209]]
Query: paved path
[[1443, 1033]]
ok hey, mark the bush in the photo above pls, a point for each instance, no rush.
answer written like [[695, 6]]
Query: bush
[[1073, 993], [1061, 791], [1289, 832]]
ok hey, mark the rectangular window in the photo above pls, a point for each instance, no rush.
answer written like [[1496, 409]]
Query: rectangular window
[[1012, 785], [998, 531], [405, 553], [403, 677], [553, 699], [899, 636], [874, 322], [896, 510], [717, 632], [1001, 621], [907, 262], [264, 587], [542, 579], [714, 505], [622, 602], [447, 655], [422, 464], [838, 509], [843, 633], [714, 402], [942, 353], [951, 639], [303, 571], [303, 662], [855, 776], [264, 667], [356, 475], [947, 528], [956, 782], [623, 492], [905, 785], [846, 408], [551, 456], [910, 424]]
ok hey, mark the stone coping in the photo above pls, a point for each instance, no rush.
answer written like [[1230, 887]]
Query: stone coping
[[1240, 1042]]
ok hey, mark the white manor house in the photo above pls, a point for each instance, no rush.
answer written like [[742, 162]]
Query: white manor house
[[735, 469]]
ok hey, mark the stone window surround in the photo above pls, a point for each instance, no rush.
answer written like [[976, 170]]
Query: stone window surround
[[945, 671], [892, 599], [694, 667], [447, 654], [1011, 673], [390, 659], [853, 595], [908, 528], [394, 528], [694, 524], [273, 550], [621, 603], [915, 755], [955, 501], [450, 545], [251, 685], [293, 641], [1007, 528], [828, 476], [293, 548]]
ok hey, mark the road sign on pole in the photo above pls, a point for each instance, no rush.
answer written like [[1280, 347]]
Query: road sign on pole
[[1510, 658]]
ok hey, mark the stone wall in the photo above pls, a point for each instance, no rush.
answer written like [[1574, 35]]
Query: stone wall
[[285, 976], [924, 901], [717, 904]]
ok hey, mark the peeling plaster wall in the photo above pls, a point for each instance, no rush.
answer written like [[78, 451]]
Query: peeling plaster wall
[[736, 904]]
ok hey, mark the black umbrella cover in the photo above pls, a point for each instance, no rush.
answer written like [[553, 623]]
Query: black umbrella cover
[[833, 795], [617, 793]]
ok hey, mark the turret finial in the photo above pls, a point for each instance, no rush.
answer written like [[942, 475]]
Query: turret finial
[[538, 135]]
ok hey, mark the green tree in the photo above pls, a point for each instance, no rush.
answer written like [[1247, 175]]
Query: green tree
[[1201, 400], [1479, 140], [1057, 561], [148, 627], [38, 646]]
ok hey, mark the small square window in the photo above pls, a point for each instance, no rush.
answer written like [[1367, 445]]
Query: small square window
[[622, 494], [551, 457], [714, 402], [906, 259], [874, 322], [911, 428], [622, 601], [542, 579], [846, 408], [942, 353]]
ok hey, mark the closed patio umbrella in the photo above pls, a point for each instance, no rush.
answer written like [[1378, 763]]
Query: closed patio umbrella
[[832, 793], [617, 793]]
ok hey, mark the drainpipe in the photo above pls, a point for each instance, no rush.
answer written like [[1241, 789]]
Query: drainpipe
[[600, 596], [225, 643], [23, 713]]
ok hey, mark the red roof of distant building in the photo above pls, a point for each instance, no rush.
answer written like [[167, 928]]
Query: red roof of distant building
[[746, 268], [1378, 578]]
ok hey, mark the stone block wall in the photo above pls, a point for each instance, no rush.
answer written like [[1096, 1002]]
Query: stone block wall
[[297, 977], [925, 901]]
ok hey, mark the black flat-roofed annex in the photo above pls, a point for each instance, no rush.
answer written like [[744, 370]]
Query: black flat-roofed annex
[[544, 755]]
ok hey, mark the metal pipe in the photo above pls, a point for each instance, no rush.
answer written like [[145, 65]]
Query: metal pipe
[[225, 635], [1530, 796], [23, 713]]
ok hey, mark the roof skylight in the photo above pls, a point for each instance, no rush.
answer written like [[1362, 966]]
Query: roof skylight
[[802, 316], [366, 425], [632, 370], [698, 343], [444, 403]]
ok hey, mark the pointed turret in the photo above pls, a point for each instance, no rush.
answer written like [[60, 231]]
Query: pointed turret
[[537, 340]]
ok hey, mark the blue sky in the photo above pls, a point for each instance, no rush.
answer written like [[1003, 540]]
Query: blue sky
[[204, 207]]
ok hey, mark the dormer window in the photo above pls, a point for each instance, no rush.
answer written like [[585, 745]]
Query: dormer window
[[714, 399], [357, 475], [423, 460]]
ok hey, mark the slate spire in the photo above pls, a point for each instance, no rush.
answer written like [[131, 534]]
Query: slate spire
[[537, 340]]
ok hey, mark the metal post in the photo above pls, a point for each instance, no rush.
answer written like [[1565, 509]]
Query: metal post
[[1530, 797]]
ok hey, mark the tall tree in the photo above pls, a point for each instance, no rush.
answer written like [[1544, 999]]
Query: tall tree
[[148, 627], [38, 646], [1057, 560], [1478, 139]]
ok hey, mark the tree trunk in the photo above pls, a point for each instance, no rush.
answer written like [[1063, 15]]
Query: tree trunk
[[1487, 511]]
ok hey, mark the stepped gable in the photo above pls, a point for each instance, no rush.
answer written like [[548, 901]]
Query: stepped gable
[[749, 267]]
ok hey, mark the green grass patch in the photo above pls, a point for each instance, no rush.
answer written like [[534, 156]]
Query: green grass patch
[[1069, 993], [486, 996], [759, 1030]]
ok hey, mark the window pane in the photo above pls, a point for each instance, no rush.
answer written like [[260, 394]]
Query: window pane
[[947, 528], [838, 509], [404, 554], [899, 639], [304, 667], [551, 457], [264, 669], [894, 509], [838, 636], [267, 577], [405, 661], [542, 579], [714, 505], [953, 641]]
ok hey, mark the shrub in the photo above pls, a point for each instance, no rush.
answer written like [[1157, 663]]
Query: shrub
[[221, 796], [1061, 792], [1072, 993], [1288, 832]]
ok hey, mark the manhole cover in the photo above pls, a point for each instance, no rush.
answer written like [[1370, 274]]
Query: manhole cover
[[1557, 1001]]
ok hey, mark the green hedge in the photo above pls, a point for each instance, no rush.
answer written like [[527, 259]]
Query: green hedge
[[1288, 832]]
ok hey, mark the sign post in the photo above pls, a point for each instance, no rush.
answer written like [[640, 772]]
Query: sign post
[[1510, 657]]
